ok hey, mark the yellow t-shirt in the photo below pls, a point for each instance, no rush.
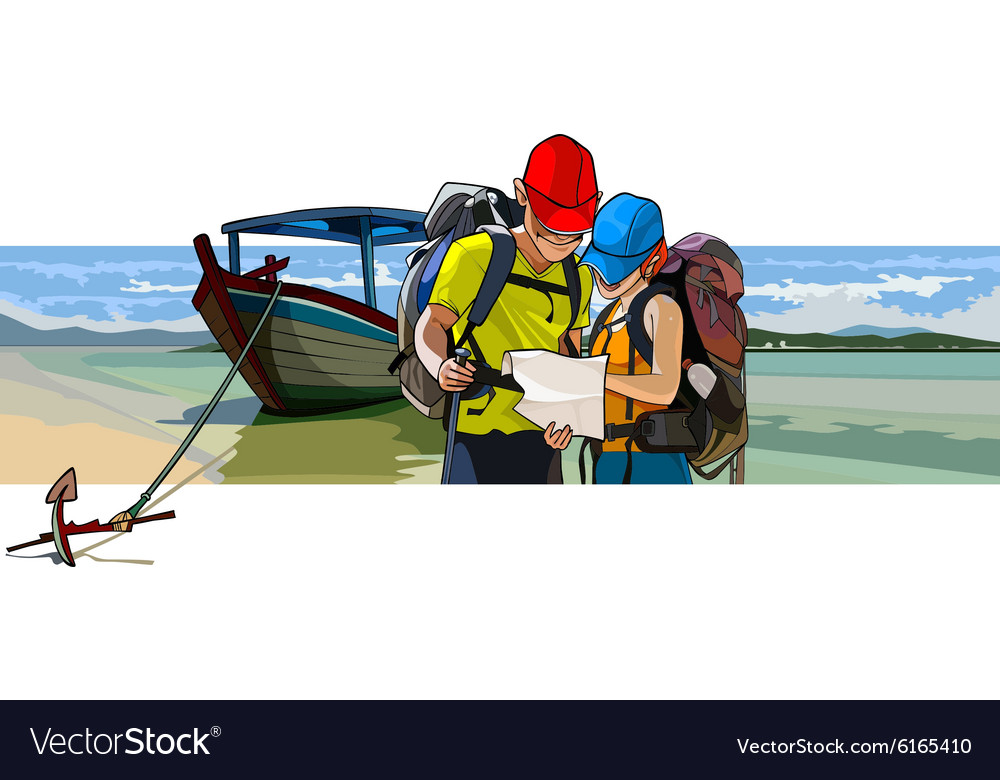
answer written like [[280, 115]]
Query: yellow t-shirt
[[518, 320]]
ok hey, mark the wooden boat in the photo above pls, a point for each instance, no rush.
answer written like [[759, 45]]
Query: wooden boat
[[318, 351]]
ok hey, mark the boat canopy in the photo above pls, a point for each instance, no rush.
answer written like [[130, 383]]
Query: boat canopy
[[387, 226], [367, 227]]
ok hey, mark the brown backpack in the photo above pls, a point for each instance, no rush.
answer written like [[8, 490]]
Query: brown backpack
[[715, 334]]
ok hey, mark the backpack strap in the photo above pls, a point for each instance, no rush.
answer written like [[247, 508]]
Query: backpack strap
[[497, 271], [629, 401], [573, 290], [594, 445], [627, 476], [483, 211], [542, 286], [599, 325], [402, 355], [720, 249], [571, 272], [718, 469], [636, 329]]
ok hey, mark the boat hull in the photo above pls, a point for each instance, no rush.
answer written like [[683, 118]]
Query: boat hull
[[317, 352]]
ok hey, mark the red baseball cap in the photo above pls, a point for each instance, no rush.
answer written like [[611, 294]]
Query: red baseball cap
[[561, 185]]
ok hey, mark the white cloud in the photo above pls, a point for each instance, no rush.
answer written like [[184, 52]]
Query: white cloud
[[118, 325], [827, 313], [146, 287], [790, 290], [83, 273], [382, 279]]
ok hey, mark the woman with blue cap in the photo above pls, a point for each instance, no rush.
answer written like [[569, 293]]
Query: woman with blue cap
[[627, 251]]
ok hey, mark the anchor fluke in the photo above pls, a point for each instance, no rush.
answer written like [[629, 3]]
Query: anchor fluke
[[65, 490]]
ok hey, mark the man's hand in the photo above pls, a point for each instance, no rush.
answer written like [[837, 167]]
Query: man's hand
[[452, 377], [558, 440]]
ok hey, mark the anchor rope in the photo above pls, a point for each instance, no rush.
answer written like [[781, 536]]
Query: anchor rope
[[147, 495]]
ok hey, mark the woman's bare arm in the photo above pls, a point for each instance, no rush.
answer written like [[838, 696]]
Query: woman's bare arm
[[663, 322]]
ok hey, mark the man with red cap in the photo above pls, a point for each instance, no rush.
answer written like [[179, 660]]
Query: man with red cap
[[495, 444]]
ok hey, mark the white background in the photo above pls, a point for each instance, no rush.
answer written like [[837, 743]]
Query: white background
[[764, 123]]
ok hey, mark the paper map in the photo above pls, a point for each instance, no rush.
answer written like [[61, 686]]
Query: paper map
[[560, 389]]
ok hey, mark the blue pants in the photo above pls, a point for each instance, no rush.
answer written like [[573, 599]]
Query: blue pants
[[496, 458], [648, 468]]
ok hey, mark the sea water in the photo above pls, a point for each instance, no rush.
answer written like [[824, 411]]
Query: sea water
[[896, 417], [885, 364]]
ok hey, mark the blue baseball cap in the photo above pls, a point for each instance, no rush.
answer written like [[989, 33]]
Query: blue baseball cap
[[626, 230]]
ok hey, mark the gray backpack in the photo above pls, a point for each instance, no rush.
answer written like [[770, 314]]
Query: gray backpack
[[460, 210]]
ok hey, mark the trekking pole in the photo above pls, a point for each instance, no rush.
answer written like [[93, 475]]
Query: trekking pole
[[738, 466], [133, 510], [461, 355]]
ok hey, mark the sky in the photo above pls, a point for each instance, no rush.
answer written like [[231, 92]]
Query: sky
[[952, 290], [123, 288]]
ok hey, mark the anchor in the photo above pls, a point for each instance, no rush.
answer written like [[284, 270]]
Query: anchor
[[64, 490], [65, 487]]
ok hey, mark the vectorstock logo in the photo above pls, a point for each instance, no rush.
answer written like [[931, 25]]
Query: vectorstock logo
[[136, 741]]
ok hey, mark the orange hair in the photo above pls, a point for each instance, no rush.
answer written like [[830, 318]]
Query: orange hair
[[661, 250]]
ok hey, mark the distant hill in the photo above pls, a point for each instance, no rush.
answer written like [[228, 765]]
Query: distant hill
[[16, 334], [763, 339], [874, 330]]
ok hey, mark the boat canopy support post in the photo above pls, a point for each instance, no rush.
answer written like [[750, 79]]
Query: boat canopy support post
[[234, 253], [368, 260]]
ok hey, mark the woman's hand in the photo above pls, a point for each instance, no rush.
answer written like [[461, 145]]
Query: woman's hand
[[558, 440]]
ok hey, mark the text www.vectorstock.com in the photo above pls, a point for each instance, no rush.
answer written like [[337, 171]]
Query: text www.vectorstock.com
[[896, 747]]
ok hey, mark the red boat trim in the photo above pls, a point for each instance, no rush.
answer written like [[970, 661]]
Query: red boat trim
[[303, 293], [270, 268], [217, 285]]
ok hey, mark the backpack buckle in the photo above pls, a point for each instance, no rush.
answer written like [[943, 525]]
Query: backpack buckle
[[647, 428], [609, 431]]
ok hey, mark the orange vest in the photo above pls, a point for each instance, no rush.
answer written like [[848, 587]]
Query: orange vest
[[623, 358]]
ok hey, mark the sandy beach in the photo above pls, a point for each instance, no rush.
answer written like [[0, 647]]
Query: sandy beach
[[58, 412]]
